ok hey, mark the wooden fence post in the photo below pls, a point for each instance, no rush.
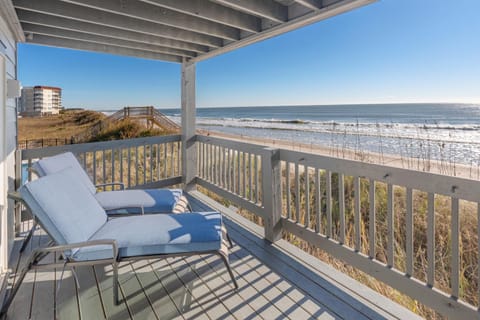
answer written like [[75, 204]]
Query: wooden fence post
[[272, 193]]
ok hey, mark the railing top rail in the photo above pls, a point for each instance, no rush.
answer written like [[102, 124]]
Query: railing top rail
[[237, 145], [424, 181], [97, 146]]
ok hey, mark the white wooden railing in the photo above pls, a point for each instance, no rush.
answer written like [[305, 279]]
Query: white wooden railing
[[403, 227], [372, 217]]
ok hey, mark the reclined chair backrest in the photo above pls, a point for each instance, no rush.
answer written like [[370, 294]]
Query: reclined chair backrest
[[65, 208], [60, 162]]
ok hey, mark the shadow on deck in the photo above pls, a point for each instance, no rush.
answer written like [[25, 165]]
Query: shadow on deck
[[276, 281]]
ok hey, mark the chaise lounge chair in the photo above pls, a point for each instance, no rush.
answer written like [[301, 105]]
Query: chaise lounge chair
[[83, 234], [132, 201]]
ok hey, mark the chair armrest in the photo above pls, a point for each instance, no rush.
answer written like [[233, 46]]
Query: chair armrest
[[121, 184], [78, 245], [15, 195]]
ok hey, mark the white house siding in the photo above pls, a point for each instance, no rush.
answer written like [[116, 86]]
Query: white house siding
[[8, 136]]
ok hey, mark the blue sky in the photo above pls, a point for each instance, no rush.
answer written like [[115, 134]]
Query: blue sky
[[391, 51]]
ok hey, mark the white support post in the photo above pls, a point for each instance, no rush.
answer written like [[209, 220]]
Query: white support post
[[272, 194], [189, 151]]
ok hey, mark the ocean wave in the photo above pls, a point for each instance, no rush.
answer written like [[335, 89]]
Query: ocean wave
[[369, 125]]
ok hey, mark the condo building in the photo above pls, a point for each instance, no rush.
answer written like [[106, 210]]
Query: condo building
[[40, 101]]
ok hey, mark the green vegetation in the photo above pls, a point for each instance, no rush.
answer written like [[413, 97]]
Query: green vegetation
[[127, 129]]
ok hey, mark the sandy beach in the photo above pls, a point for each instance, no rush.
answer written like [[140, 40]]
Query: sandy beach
[[418, 164]]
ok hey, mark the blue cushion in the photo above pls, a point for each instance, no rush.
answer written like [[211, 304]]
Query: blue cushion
[[64, 206], [152, 200], [61, 161], [157, 234]]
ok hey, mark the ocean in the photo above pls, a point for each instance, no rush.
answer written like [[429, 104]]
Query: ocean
[[448, 132]]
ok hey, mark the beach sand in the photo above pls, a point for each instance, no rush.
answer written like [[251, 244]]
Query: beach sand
[[418, 164]]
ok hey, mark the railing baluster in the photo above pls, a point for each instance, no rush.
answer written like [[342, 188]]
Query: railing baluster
[[204, 161], [237, 190], [455, 276], [431, 239], [214, 164], [371, 219], [217, 165], [157, 161], [250, 177], [94, 178], [129, 165], [178, 159], [112, 166], [256, 180], [144, 163], [307, 198], [208, 160], [229, 168], [232, 171], [357, 199], [172, 160], [409, 232], [164, 160], [297, 192], [136, 166], [287, 190], [211, 157], [29, 172], [150, 161], [391, 227], [318, 201], [120, 154], [221, 157], [329, 203], [341, 203], [104, 171], [85, 160], [244, 174]]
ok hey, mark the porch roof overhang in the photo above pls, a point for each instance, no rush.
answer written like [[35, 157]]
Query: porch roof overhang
[[168, 30]]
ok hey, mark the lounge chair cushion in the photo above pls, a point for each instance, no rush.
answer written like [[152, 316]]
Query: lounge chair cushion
[[131, 201], [65, 207], [157, 234], [62, 161]]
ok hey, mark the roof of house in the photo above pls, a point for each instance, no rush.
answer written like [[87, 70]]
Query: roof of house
[[168, 30]]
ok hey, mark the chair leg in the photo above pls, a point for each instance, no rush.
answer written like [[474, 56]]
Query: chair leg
[[224, 257], [11, 296], [29, 236], [229, 240], [226, 236], [116, 300]]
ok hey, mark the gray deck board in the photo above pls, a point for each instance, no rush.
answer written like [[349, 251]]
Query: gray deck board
[[67, 298], [273, 284]]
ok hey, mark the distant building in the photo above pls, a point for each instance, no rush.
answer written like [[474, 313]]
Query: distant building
[[40, 101]]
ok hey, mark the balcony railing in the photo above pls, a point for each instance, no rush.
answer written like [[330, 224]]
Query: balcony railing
[[403, 227]]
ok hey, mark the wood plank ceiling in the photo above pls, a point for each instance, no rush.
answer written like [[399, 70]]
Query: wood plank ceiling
[[168, 30]]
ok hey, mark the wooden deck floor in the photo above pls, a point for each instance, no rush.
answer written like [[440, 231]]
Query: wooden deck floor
[[276, 282]]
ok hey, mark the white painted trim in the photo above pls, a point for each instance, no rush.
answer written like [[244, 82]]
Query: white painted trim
[[3, 170], [7, 12], [189, 147]]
